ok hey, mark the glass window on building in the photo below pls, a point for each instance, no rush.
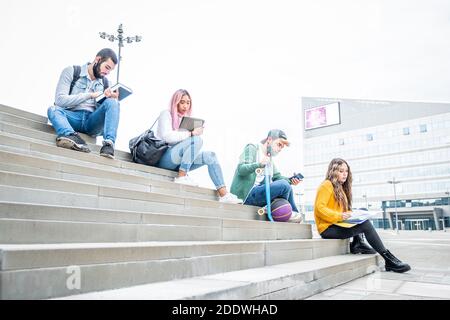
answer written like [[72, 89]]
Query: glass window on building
[[423, 128], [369, 137], [405, 131]]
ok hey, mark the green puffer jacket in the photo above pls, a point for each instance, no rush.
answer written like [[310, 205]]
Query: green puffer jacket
[[245, 175]]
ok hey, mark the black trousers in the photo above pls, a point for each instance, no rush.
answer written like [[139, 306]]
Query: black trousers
[[337, 232]]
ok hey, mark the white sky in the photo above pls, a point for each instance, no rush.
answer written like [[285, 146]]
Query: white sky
[[246, 63]]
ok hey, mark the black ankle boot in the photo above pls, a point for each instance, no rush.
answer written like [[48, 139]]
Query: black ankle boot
[[394, 264], [358, 246]]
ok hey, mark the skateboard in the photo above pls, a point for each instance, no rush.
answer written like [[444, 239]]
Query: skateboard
[[260, 171], [267, 178]]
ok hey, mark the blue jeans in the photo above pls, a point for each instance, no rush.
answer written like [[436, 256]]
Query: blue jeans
[[278, 189], [104, 120], [187, 156]]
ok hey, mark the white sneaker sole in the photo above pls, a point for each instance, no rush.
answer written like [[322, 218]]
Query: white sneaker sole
[[63, 142], [231, 201], [107, 155], [295, 218], [187, 184]]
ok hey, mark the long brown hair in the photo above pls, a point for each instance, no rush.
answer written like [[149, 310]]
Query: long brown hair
[[342, 192]]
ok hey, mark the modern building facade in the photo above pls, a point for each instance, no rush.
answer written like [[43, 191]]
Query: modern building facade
[[399, 154]]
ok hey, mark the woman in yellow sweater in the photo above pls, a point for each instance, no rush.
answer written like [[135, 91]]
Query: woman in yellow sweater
[[333, 206]]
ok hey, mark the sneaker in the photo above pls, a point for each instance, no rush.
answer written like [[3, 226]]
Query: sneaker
[[296, 217], [107, 150], [230, 198], [72, 141], [186, 180]]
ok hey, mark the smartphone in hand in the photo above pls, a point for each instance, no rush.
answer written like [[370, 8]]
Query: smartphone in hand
[[299, 176]]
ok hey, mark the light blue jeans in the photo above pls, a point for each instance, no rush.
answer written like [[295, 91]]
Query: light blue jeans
[[278, 189], [186, 156], [104, 120]]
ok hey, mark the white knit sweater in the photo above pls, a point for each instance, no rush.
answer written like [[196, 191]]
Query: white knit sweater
[[165, 131]]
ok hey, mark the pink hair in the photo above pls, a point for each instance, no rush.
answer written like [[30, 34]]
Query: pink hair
[[176, 98]]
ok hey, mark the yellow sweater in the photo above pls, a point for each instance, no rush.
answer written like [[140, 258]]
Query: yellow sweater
[[327, 210]]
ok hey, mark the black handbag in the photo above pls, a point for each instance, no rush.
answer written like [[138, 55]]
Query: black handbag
[[147, 148]]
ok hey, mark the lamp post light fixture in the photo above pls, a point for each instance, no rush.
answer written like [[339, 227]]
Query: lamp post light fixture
[[120, 37], [394, 182]]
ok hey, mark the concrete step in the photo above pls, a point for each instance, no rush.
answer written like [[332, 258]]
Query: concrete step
[[22, 223], [45, 271], [32, 182], [49, 138], [120, 199], [21, 231], [23, 113], [20, 118], [102, 175], [24, 122], [15, 121], [30, 128], [288, 281], [19, 210], [17, 142]]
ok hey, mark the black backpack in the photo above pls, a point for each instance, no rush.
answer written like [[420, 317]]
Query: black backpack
[[147, 148], [76, 76]]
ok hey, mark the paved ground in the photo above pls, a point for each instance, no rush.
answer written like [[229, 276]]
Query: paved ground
[[428, 253]]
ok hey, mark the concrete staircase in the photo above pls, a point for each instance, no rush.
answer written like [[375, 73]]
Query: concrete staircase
[[127, 231]]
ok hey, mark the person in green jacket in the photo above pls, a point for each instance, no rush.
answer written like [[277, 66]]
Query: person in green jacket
[[248, 180]]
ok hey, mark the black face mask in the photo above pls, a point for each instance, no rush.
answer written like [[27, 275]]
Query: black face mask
[[96, 69]]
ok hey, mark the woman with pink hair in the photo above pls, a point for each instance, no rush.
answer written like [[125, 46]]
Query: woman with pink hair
[[184, 153]]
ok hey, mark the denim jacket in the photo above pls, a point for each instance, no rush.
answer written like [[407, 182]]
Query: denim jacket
[[80, 98]]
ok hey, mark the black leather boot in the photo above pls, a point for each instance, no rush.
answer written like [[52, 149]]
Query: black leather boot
[[358, 246], [394, 264]]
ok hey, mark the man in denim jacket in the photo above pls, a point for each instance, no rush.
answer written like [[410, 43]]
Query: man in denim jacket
[[77, 110]]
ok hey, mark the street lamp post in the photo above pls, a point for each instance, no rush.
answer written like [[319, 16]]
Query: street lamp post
[[448, 203], [301, 205], [120, 38], [393, 182], [367, 202]]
